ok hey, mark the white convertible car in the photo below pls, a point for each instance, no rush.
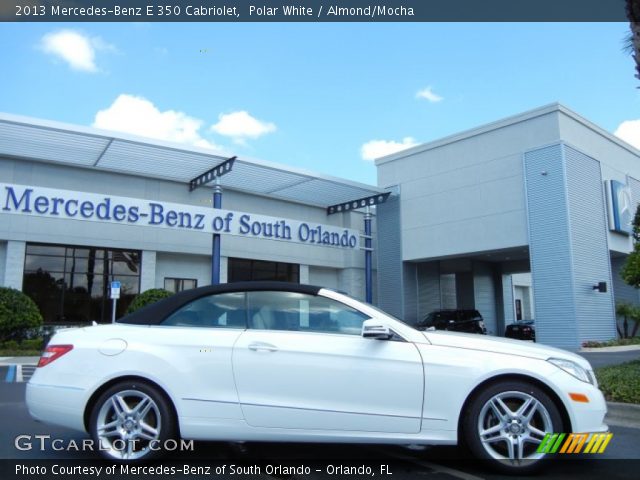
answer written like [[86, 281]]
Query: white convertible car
[[267, 361]]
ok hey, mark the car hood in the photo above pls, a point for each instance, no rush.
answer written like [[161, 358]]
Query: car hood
[[507, 346]]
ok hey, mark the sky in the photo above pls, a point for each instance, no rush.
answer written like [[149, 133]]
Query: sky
[[325, 97]]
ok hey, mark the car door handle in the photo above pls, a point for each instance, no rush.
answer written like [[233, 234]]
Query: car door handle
[[262, 347]]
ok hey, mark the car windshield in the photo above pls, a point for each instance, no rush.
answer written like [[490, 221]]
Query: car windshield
[[388, 315], [372, 307]]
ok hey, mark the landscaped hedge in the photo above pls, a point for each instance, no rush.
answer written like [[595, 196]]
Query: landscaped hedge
[[616, 342], [148, 297], [18, 315], [620, 383]]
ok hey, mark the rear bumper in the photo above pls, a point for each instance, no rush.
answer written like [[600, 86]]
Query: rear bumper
[[57, 405]]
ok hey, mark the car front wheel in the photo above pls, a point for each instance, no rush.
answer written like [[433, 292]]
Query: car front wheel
[[507, 422], [132, 421]]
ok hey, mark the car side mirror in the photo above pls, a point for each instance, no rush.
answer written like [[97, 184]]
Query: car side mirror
[[373, 328]]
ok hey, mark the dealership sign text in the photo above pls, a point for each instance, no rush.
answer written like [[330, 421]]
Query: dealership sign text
[[67, 204]]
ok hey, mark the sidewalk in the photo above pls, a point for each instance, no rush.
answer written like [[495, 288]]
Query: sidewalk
[[6, 361], [621, 348]]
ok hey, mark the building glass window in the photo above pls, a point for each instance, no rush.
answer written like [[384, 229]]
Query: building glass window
[[244, 270], [176, 285], [70, 284]]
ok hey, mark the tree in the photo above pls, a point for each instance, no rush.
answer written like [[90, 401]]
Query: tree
[[631, 269], [631, 275], [633, 42], [626, 311]]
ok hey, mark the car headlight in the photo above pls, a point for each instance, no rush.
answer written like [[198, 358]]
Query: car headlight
[[573, 369]]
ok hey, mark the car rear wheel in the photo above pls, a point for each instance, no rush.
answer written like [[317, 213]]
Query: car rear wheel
[[132, 421], [507, 422]]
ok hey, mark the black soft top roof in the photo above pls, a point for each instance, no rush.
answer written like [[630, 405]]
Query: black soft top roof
[[156, 312]]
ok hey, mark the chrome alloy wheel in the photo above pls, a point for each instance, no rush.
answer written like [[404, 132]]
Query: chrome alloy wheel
[[128, 424], [511, 425]]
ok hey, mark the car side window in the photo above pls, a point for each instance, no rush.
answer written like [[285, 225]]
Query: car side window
[[300, 312], [224, 310]]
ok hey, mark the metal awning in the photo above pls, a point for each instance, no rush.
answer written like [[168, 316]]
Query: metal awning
[[84, 147]]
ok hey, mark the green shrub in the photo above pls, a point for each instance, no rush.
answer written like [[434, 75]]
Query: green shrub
[[620, 383], [148, 297], [18, 314], [32, 344]]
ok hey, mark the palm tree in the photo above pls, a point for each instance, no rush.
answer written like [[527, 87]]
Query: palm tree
[[632, 43]]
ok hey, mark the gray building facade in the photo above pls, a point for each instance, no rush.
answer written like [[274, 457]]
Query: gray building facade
[[80, 208], [545, 192]]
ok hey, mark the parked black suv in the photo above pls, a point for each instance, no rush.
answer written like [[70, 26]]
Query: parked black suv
[[456, 320], [522, 330]]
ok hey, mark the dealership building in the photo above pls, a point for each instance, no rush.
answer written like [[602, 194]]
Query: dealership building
[[527, 217], [80, 208]]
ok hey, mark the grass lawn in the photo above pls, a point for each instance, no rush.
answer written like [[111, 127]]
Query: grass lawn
[[612, 343], [620, 383], [25, 348], [19, 353]]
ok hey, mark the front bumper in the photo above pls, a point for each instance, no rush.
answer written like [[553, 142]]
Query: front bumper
[[589, 416]]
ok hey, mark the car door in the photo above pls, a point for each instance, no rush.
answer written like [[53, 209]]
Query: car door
[[195, 345], [303, 364]]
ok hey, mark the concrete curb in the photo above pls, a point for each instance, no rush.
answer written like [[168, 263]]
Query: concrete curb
[[623, 414], [620, 348], [6, 361]]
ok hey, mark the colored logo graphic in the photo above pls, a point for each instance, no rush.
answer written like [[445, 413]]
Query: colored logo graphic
[[622, 207], [574, 443]]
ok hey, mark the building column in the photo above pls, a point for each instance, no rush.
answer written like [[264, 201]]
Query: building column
[[429, 294], [148, 271], [224, 269], [410, 292], [485, 296], [389, 257], [3, 259], [351, 280], [14, 264], [507, 299], [465, 295], [304, 274], [216, 265], [568, 243]]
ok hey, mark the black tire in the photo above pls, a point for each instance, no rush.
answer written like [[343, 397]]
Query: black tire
[[131, 422], [507, 428]]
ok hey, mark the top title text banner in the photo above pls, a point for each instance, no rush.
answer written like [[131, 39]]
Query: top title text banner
[[312, 11]]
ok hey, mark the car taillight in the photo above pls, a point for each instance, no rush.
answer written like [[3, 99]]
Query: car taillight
[[53, 352]]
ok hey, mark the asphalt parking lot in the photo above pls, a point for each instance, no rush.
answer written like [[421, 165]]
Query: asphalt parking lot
[[606, 357], [621, 460]]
